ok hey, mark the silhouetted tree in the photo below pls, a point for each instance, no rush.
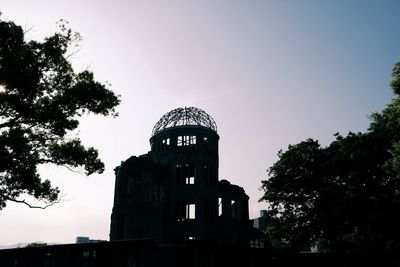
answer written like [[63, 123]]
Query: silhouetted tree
[[36, 244], [343, 197], [41, 99]]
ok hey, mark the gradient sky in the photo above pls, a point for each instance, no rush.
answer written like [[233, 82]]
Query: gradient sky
[[271, 73]]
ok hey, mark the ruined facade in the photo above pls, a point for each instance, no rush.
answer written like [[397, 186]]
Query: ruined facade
[[173, 193]]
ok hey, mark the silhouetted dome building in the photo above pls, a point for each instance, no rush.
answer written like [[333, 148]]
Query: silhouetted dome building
[[173, 192], [183, 117]]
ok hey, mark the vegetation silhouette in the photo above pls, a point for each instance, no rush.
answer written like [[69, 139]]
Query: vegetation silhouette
[[36, 244], [344, 197], [41, 99]]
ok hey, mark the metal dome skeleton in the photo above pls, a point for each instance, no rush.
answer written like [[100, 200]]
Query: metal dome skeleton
[[183, 117]]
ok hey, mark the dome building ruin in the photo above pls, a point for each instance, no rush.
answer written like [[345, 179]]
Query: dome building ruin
[[173, 193]]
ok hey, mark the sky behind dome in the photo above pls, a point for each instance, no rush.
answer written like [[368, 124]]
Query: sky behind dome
[[270, 73]]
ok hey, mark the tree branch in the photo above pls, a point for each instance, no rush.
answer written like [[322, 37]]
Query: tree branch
[[30, 205], [10, 122], [72, 53], [60, 163], [33, 206]]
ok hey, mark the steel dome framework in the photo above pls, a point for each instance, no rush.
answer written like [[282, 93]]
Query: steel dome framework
[[183, 117]]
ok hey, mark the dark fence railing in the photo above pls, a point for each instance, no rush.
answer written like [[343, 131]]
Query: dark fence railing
[[145, 253]]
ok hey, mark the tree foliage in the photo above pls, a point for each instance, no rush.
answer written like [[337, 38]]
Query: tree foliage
[[41, 100], [343, 197], [36, 244]]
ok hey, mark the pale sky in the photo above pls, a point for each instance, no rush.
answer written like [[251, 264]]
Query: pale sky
[[271, 73]]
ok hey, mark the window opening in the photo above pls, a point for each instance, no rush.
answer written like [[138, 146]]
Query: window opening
[[219, 206], [235, 211], [186, 140], [206, 141], [189, 180], [190, 211], [185, 174], [180, 141], [189, 173], [164, 144], [192, 140]]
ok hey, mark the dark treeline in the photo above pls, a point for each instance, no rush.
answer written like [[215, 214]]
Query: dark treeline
[[344, 197]]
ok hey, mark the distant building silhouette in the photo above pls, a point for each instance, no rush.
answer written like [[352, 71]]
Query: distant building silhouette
[[85, 239], [173, 192], [261, 222], [82, 239], [259, 237]]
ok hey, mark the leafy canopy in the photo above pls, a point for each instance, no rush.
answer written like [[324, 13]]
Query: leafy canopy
[[41, 100], [343, 197]]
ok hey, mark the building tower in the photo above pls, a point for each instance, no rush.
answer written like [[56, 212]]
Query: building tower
[[173, 193], [185, 141]]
